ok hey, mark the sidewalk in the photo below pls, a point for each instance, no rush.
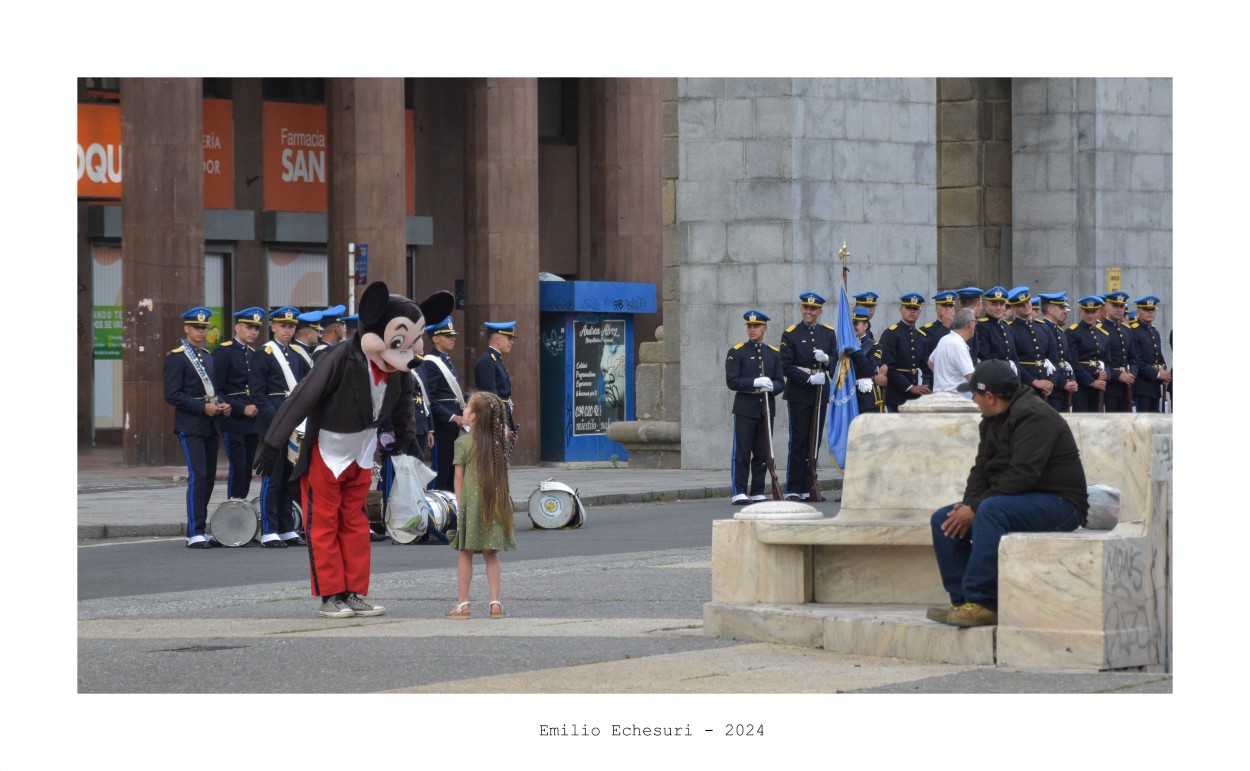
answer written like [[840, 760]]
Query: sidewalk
[[106, 487]]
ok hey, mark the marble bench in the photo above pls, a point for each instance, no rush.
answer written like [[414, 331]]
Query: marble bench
[[1085, 600]]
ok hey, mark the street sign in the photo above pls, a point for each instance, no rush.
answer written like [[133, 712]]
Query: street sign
[[362, 263], [1113, 279]]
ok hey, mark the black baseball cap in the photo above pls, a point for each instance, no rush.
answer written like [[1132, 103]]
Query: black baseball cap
[[993, 376]]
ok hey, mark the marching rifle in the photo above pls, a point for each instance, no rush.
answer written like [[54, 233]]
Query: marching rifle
[[813, 486], [1164, 405], [768, 428], [1102, 393]]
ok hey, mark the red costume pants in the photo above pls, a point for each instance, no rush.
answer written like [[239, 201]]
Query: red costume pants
[[337, 524]]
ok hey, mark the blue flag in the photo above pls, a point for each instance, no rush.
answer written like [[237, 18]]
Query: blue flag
[[843, 406]]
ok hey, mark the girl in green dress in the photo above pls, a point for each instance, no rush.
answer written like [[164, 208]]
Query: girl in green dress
[[484, 519]]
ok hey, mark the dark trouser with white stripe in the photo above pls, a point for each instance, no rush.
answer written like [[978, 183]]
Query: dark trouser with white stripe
[[241, 452], [201, 455], [800, 448], [276, 500], [750, 456]]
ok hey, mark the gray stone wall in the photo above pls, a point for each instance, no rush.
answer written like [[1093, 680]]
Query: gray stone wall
[[1092, 186], [773, 174]]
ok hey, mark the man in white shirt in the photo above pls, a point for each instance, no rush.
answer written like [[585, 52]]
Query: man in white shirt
[[951, 361]]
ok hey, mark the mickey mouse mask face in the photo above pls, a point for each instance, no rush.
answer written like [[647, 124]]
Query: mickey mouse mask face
[[393, 349], [391, 325]]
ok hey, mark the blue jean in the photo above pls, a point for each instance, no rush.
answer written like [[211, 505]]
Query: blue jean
[[969, 565]]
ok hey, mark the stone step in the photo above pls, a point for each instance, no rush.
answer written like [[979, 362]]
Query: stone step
[[896, 631]]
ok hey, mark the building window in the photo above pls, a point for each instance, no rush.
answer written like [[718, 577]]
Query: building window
[[557, 111]]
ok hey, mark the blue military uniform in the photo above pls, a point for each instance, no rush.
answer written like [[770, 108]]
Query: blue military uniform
[[1035, 345], [1061, 399], [934, 331], [993, 336], [799, 344], [903, 350], [1148, 391], [310, 319], [866, 361], [745, 365], [970, 294], [1085, 345], [491, 375], [239, 381], [188, 376], [867, 300], [277, 518], [329, 316], [443, 406], [1119, 357]]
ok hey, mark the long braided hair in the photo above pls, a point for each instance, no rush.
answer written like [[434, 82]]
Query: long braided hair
[[490, 451]]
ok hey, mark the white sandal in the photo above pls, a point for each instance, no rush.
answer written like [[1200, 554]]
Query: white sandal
[[460, 611], [496, 609]]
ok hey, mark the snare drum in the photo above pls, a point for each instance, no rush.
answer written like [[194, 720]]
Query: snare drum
[[446, 510], [555, 506], [233, 523]]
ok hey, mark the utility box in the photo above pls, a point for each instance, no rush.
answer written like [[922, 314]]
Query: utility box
[[587, 365]]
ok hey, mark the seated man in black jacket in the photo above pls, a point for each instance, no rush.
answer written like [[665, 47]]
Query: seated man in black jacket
[[1027, 478]]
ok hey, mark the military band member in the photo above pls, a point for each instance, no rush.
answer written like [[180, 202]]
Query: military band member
[[1122, 371], [189, 389], [282, 369], [333, 330], [904, 352], [1154, 379], [446, 400], [307, 336], [1054, 309], [868, 300], [870, 376], [993, 336], [1085, 341], [1035, 346], [753, 371], [490, 374], [944, 305], [971, 297], [806, 350], [238, 380]]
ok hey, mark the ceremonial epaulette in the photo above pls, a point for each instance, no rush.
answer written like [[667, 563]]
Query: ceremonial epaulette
[[1100, 329], [228, 342], [1133, 325], [1074, 326], [791, 327], [826, 326], [179, 349], [922, 333], [984, 318], [893, 327], [739, 345], [877, 352], [493, 357], [267, 350], [775, 348], [929, 325]]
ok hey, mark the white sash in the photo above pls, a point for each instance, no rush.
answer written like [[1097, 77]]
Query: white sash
[[450, 378], [300, 351], [297, 436], [425, 396], [282, 362], [210, 395]]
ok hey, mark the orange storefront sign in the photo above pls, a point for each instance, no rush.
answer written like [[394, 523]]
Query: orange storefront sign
[[100, 152], [296, 155]]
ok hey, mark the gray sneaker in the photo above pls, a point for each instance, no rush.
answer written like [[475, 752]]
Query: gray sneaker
[[360, 607], [335, 608]]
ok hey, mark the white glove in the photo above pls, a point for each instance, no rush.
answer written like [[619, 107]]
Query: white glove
[[821, 357], [1050, 368], [817, 378], [864, 384], [1014, 371], [764, 383]]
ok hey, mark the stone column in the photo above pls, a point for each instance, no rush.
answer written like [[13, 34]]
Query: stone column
[[251, 270], [162, 250], [625, 182], [501, 262], [974, 182], [365, 118]]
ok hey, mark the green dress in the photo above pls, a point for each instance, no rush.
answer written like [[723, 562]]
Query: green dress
[[472, 533]]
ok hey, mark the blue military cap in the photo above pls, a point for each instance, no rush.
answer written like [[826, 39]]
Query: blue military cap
[[1037, 303], [1090, 302], [912, 300], [1018, 295], [1116, 298], [867, 299], [756, 317], [309, 319], [969, 291], [946, 297], [250, 316], [351, 320], [811, 300], [197, 316], [333, 313], [860, 313], [502, 327], [1131, 315], [1054, 298], [1147, 303], [287, 314], [443, 327], [996, 293]]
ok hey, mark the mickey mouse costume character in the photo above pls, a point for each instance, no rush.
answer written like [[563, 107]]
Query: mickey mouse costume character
[[350, 392]]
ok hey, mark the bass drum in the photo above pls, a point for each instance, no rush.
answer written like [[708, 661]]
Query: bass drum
[[297, 516], [555, 506], [233, 523], [446, 510]]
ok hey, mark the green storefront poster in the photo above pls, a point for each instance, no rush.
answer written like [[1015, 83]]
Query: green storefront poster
[[106, 332]]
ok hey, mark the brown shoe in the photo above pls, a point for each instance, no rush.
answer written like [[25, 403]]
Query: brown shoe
[[940, 613], [972, 614], [461, 611]]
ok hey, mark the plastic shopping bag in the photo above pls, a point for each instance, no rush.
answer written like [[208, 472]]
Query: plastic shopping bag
[[408, 512], [1104, 507]]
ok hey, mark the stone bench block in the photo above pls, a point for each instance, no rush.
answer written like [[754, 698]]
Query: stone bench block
[[745, 570], [889, 573]]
